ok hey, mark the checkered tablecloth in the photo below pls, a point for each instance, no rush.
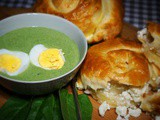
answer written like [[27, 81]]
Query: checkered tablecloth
[[137, 12]]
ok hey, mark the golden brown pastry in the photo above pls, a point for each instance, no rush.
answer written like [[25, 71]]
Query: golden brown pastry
[[150, 38], [151, 102], [98, 19], [117, 72], [115, 60]]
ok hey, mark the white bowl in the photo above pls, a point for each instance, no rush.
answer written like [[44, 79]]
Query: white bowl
[[49, 21]]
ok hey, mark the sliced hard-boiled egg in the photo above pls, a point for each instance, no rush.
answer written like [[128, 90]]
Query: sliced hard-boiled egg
[[13, 62], [46, 58]]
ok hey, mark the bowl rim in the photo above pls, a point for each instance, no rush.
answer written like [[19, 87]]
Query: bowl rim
[[57, 17]]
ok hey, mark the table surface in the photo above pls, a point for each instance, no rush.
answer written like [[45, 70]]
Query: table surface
[[129, 32]]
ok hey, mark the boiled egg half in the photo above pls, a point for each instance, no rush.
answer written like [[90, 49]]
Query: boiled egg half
[[47, 58], [13, 62]]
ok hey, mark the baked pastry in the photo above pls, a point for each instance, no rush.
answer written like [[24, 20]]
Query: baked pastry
[[98, 19], [150, 38], [102, 63], [117, 73], [151, 102]]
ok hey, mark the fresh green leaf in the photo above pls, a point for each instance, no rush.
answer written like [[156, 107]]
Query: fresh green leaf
[[13, 107], [85, 106], [36, 103], [57, 109], [68, 106], [23, 113], [47, 109]]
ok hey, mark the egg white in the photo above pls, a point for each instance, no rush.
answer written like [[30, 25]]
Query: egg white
[[21, 55], [35, 53]]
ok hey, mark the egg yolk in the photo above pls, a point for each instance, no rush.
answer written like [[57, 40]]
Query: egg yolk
[[51, 59], [9, 63]]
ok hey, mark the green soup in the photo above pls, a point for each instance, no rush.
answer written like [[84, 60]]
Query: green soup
[[25, 38]]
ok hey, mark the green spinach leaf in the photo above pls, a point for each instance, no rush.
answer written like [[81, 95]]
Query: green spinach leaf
[[15, 107], [36, 103], [57, 106], [68, 106], [47, 109], [85, 106]]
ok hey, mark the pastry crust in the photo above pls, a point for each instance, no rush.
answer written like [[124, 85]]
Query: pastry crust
[[154, 29], [150, 38], [151, 102], [98, 19], [115, 60]]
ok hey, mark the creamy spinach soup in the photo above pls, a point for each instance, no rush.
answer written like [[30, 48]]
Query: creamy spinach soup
[[25, 39]]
